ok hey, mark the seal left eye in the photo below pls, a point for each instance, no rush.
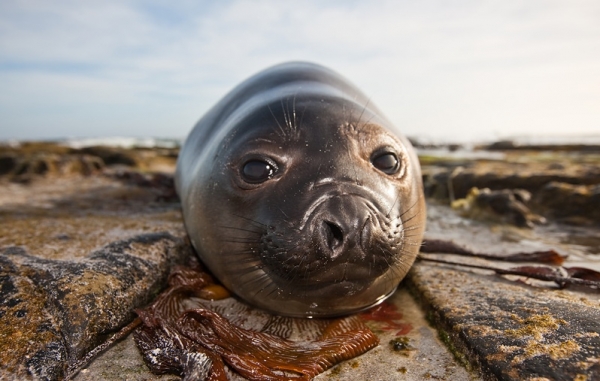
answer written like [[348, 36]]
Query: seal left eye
[[258, 171], [386, 162]]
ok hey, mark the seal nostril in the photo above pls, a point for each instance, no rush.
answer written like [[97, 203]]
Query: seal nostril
[[335, 236]]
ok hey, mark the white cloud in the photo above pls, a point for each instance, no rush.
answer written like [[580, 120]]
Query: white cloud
[[437, 68]]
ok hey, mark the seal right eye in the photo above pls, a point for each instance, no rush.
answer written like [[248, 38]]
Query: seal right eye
[[258, 171], [386, 162]]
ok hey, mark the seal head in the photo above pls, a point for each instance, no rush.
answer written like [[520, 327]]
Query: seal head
[[300, 196]]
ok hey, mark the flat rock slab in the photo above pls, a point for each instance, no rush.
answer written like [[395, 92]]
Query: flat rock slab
[[510, 330]]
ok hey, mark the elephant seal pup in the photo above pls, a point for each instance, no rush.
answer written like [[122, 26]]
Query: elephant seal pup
[[300, 196]]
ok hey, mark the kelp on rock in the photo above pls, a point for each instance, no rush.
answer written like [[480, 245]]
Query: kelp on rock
[[190, 332]]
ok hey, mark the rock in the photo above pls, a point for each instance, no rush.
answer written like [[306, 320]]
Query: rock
[[80, 164], [501, 145], [8, 163], [47, 164], [37, 165], [507, 175], [511, 331], [574, 203], [29, 160], [528, 177], [77, 255], [111, 155], [446, 181], [420, 144], [439, 182], [506, 205], [28, 148], [53, 312], [155, 159], [511, 145]]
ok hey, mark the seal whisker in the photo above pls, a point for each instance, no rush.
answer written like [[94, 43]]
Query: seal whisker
[[286, 116], [282, 212], [410, 228], [240, 240], [281, 132], [264, 278], [243, 258], [275, 288], [389, 280], [369, 120], [250, 220], [362, 112], [264, 281], [286, 120], [392, 207], [410, 222], [292, 117], [241, 229], [410, 219], [294, 114], [348, 152], [413, 244], [411, 207], [408, 242], [402, 214]]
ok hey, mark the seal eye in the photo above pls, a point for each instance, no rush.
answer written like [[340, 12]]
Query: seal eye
[[386, 162], [258, 171]]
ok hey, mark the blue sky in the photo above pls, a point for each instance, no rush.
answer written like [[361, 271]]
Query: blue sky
[[463, 70]]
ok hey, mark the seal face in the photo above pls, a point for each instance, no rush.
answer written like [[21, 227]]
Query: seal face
[[300, 196]]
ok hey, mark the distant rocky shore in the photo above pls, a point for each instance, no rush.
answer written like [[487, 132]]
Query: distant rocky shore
[[21, 162], [517, 182], [526, 184]]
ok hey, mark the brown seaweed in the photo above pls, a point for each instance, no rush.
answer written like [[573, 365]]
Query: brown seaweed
[[196, 343], [563, 276], [449, 247], [554, 272]]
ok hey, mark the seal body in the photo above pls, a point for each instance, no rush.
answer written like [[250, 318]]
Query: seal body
[[300, 196]]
